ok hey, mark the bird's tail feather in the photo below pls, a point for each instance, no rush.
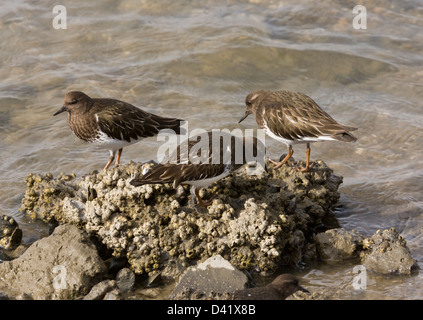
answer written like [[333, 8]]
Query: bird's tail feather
[[345, 137], [173, 124]]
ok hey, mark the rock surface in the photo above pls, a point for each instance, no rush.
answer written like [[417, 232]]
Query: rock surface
[[213, 276], [99, 291], [386, 252], [338, 244], [255, 222], [64, 265]]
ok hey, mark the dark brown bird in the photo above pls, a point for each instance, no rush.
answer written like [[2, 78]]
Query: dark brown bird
[[293, 118], [201, 167], [112, 124], [279, 289]]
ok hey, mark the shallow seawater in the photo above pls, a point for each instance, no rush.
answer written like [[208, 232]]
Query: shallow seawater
[[198, 60]]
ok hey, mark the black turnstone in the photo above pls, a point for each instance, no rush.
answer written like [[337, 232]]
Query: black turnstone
[[112, 124], [279, 289], [292, 118], [200, 168]]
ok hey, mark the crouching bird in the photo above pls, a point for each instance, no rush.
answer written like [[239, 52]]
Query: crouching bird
[[204, 161]]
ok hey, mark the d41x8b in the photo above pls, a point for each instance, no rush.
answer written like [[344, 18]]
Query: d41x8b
[[234, 309]]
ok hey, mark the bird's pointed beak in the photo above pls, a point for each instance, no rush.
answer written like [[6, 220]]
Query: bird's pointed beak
[[62, 109], [303, 289], [246, 114]]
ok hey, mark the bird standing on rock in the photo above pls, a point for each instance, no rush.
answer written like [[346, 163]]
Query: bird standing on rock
[[112, 124], [293, 118]]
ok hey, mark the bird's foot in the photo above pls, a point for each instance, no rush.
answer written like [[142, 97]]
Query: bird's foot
[[304, 169], [277, 164], [205, 203]]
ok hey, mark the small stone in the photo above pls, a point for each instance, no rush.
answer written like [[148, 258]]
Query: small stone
[[125, 279]]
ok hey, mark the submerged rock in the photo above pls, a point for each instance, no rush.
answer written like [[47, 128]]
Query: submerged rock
[[256, 221], [386, 252]]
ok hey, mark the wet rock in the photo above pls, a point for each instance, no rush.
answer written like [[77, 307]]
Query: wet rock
[[4, 256], [112, 295], [18, 251], [63, 265], [215, 276], [3, 296], [255, 222], [336, 245], [10, 234], [386, 252], [99, 291], [125, 279], [148, 293], [23, 296], [326, 293]]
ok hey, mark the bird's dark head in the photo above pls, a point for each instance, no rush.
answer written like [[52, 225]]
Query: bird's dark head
[[252, 102], [75, 101]]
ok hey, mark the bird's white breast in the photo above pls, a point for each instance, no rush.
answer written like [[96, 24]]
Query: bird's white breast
[[104, 141], [298, 141]]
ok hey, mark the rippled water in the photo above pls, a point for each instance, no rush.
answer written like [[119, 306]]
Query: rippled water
[[198, 60]]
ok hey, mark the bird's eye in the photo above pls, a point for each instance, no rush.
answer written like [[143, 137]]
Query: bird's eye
[[74, 101], [249, 102]]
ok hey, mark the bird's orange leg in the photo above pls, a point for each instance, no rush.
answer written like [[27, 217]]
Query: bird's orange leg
[[307, 167], [279, 164], [117, 163], [112, 156]]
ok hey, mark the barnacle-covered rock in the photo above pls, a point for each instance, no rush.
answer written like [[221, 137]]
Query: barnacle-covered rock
[[386, 252], [255, 222], [338, 244], [10, 234]]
